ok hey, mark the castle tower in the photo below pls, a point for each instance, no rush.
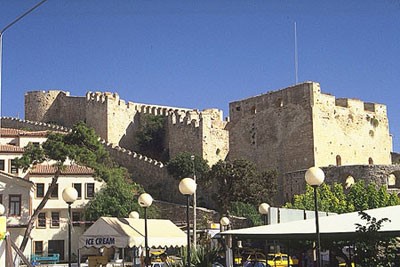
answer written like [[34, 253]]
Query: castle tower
[[41, 105], [54, 106], [299, 127]]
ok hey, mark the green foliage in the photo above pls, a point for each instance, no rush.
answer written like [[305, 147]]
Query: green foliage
[[116, 199], [246, 210], [332, 198], [151, 137], [81, 145], [240, 180], [182, 166], [203, 255], [373, 250]]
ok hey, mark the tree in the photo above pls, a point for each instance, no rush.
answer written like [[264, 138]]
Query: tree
[[373, 250], [151, 137], [239, 180], [115, 199], [182, 166], [81, 145], [246, 210], [332, 198]]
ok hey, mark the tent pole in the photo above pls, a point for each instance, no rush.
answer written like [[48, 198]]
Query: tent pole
[[123, 257], [79, 257]]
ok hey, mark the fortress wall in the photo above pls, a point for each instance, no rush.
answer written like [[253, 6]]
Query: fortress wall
[[294, 182], [151, 174], [350, 131], [8, 122], [148, 172], [274, 130], [96, 113], [184, 133], [118, 121]]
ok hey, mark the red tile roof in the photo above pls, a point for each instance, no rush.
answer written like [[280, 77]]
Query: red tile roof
[[68, 170], [11, 149], [8, 132]]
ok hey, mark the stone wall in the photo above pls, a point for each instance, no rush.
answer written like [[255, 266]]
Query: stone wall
[[274, 130], [395, 158], [202, 133], [299, 127], [294, 182], [349, 131], [177, 213], [118, 121], [56, 107], [15, 123], [151, 174]]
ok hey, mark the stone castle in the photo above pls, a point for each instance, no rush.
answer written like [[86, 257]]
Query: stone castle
[[289, 130]]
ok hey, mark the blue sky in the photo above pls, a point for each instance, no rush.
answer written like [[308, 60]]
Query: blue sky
[[202, 54]]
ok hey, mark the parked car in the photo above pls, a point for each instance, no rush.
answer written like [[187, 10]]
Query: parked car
[[281, 260], [343, 264], [256, 259]]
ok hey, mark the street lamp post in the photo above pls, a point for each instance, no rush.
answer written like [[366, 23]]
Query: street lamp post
[[3, 231], [192, 157], [1, 43], [69, 195], [145, 200], [315, 177], [187, 187], [225, 222], [263, 209]]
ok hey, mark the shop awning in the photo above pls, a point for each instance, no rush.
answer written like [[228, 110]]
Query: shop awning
[[128, 232], [339, 227]]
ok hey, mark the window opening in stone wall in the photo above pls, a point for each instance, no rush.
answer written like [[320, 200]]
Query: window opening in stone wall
[[370, 161], [393, 181], [218, 151], [338, 160], [253, 110], [238, 108], [279, 103], [349, 182]]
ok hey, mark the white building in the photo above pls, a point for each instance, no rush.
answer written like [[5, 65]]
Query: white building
[[21, 192]]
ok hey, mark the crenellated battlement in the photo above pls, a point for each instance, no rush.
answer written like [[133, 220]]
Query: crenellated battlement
[[160, 110], [349, 105], [16, 123], [358, 105], [128, 153], [102, 97]]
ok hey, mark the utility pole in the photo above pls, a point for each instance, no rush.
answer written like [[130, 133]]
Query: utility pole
[[1, 46]]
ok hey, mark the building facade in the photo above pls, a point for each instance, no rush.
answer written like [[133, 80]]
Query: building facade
[[21, 192]]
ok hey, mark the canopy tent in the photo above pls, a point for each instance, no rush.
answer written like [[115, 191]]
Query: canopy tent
[[338, 227], [128, 232]]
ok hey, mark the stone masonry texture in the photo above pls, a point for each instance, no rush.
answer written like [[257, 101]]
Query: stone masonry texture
[[288, 130]]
